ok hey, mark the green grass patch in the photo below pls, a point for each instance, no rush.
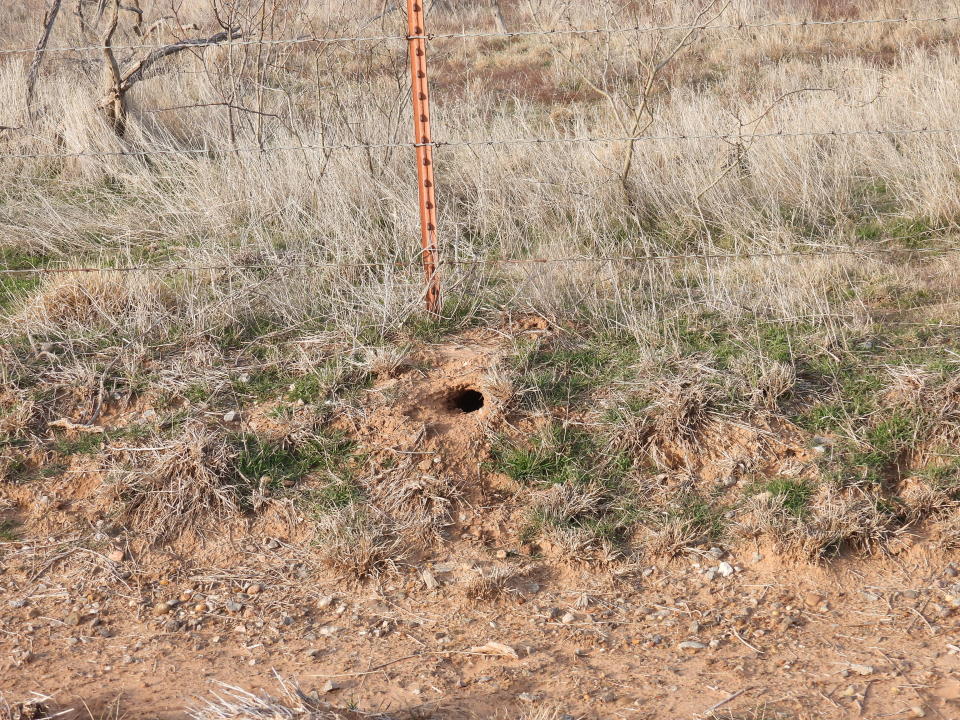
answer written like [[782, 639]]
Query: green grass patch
[[287, 464], [14, 287], [792, 494]]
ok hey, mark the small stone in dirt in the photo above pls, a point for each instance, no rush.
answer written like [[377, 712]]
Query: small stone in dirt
[[232, 416], [725, 569], [501, 554], [255, 589], [691, 645], [429, 580], [325, 602], [329, 630], [271, 543], [314, 652], [529, 697], [917, 712], [233, 606], [73, 619], [330, 686], [717, 553], [862, 669], [813, 599], [161, 609], [568, 618], [116, 556], [18, 603]]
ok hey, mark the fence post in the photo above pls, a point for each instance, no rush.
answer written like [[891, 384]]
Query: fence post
[[416, 29]]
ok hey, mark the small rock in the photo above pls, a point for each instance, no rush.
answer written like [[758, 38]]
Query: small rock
[[232, 416], [18, 603], [429, 580], [116, 556], [529, 697], [813, 600], [255, 589], [862, 669], [568, 618], [717, 553], [233, 606], [325, 602], [330, 686], [725, 569], [314, 652], [691, 645], [501, 554], [271, 543], [73, 619], [917, 712]]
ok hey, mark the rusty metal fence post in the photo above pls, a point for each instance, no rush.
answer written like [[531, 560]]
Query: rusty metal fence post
[[423, 141]]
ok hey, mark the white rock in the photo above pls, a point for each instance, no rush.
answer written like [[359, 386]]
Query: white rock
[[725, 569]]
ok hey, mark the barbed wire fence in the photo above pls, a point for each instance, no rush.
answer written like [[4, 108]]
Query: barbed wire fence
[[424, 143]]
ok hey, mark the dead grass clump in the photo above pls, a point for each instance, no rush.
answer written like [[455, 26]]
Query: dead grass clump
[[494, 583], [93, 300], [676, 420], [359, 541], [232, 703], [29, 710], [189, 483], [852, 518]]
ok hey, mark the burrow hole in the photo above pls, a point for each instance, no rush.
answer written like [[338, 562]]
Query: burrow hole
[[466, 400]]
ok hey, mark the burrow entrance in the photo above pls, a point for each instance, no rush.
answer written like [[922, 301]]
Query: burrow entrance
[[466, 400]]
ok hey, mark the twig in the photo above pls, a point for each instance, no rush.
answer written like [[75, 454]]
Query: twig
[[717, 706]]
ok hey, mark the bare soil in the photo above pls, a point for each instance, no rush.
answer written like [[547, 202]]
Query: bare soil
[[480, 625]]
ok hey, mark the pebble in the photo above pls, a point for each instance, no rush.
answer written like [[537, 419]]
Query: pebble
[[725, 569], [501, 554], [116, 556], [161, 609], [917, 712], [255, 589], [314, 652], [18, 603], [691, 645], [862, 669], [73, 619], [325, 602], [233, 606], [330, 686], [568, 618], [232, 416]]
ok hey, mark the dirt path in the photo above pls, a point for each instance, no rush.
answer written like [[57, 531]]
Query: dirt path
[[853, 640]]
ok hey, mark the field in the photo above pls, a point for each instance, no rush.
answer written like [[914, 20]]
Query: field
[[684, 441]]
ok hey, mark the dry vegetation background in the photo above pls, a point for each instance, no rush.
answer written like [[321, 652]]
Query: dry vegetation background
[[804, 394]]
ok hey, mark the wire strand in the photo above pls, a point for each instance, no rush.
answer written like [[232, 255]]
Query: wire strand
[[489, 142], [500, 34], [479, 261]]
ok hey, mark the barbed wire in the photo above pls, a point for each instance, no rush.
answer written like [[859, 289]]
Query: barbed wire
[[740, 26], [572, 259], [727, 137]]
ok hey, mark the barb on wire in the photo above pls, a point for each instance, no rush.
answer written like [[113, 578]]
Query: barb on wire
[[740, 26], [488, 142], [411, 262]]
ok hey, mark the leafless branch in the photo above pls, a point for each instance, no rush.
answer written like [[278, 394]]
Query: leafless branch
[[49, 19]]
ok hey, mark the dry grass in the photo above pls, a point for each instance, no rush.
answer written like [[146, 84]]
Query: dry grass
[[186, 484], [762, 340]]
